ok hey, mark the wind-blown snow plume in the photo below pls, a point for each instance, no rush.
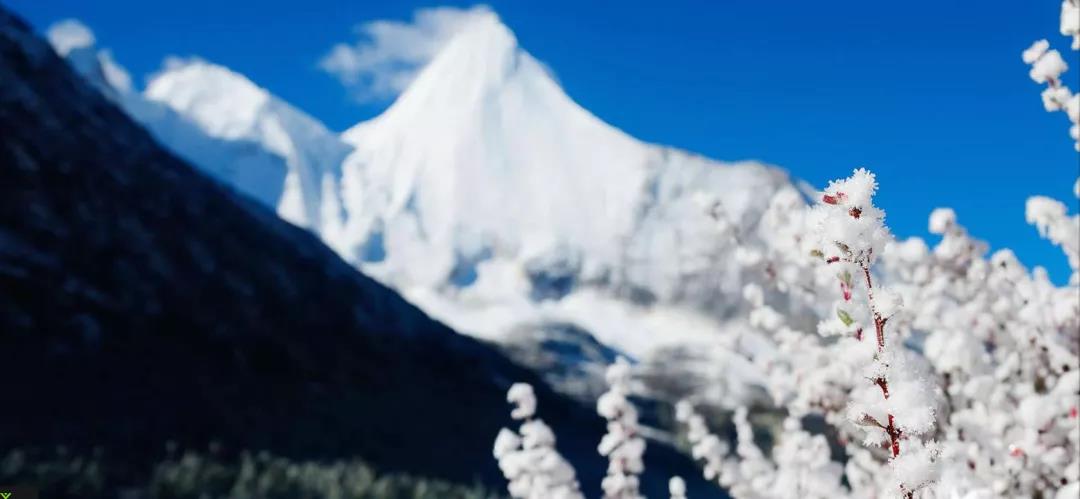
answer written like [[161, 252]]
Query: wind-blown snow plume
[[389, 54]]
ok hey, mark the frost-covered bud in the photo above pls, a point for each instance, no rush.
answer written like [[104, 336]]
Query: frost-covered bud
[[941, 219], [505, 443], [911, 402], [916, 466], [912, 250], [748, 257], [683, 411], [1070, 21], [1004, 259], [1035, 51], [846, 225], [752, 293], [528, 459], [766, 318], [888, 303], [524, 400], [677, 488], [1072, 108], [536, 434], [1048, 68], [1041, 211], [613, 405], [1055, 98], [854, 191]]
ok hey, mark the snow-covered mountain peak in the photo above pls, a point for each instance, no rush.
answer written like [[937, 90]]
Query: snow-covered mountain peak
[[491, 198], [489, 155], [228, 106], [225, 103], [482, 57], [221, 121], [481, 61]]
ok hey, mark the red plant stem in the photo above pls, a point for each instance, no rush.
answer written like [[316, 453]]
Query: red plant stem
[[879, 327], [892, 430], [879, 322]]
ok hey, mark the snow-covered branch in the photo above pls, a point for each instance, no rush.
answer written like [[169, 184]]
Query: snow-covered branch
[[623, 444], [1047, 65], [528, 458]]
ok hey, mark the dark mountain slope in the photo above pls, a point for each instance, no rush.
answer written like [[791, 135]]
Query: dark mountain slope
[[141, 302]]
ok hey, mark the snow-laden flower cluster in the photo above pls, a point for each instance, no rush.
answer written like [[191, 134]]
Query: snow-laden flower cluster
[[848, 226], [939, 372], [528, 458], [1004, 344], [1047, 65], [852, 368], [623, 444]]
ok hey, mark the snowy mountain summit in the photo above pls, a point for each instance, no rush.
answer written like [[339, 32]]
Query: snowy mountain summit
[[223, 123], [228, 106], [488, 195]]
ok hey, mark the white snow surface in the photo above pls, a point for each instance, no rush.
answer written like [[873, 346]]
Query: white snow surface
[[484, 194]]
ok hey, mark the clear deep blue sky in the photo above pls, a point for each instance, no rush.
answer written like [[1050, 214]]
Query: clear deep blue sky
[[929, 94]]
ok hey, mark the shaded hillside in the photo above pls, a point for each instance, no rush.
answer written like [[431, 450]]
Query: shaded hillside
[[141, 302]]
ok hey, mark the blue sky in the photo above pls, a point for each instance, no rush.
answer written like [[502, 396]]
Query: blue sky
[[930, 95]]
